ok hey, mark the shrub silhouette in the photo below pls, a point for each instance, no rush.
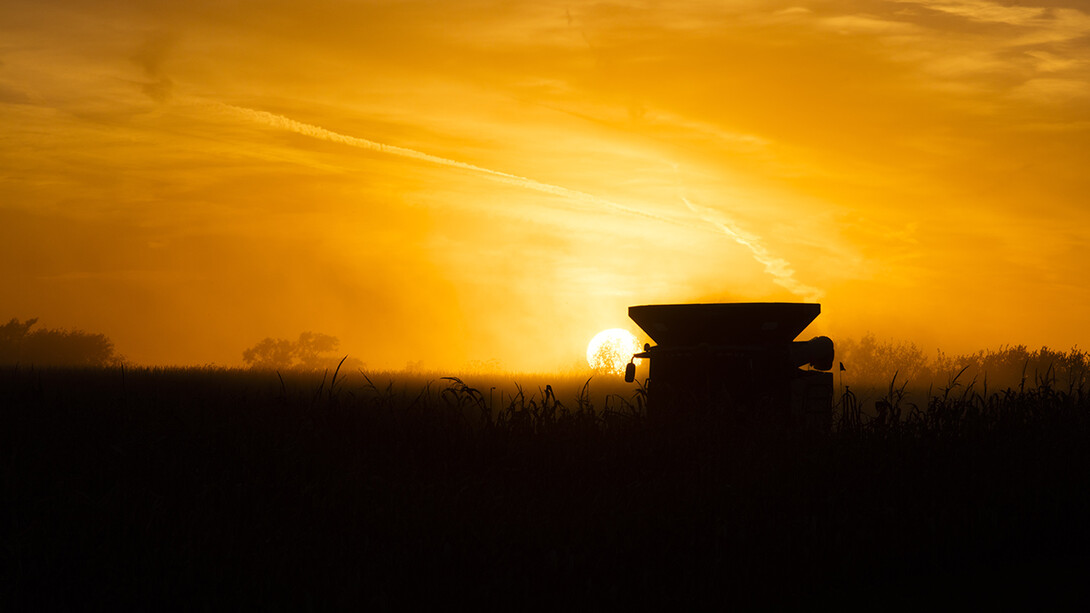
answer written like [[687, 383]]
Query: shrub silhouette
[[872, 360], [873, 364], [312, 351], [45, 347]]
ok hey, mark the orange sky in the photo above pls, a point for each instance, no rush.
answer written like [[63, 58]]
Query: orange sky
[[449, 181]]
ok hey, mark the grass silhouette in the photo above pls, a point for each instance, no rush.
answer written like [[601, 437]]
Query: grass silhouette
[[202, 487]]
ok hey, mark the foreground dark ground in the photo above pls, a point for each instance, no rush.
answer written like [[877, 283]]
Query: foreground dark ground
[[211, 488]]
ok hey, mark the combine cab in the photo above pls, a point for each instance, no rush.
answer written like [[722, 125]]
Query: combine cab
[[736, 356]]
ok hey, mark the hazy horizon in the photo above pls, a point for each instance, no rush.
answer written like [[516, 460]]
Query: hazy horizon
[[456, 182]]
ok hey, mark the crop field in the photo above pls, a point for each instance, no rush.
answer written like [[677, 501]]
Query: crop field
[[199, 488]]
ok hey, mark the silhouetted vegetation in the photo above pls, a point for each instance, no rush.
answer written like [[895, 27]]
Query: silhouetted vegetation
[[44, 347], [311, 351], [898, 370], [252, 489]]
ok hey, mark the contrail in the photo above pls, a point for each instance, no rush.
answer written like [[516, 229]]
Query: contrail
[[285, 123], [780, 269]]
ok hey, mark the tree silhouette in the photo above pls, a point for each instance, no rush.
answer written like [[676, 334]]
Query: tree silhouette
[[608, 359], [873, 361], [45, 347], [312, 351], [270, 353]]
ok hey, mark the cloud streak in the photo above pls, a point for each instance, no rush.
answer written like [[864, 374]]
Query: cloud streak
[[284, 123], [780, 269]]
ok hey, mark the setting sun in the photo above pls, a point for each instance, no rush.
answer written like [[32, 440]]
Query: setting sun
[[610, 350], [298, 297]]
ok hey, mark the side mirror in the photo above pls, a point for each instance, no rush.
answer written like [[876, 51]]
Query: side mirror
[[630, 372]]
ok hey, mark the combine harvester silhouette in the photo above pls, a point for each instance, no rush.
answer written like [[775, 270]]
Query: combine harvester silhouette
[[736, 357]]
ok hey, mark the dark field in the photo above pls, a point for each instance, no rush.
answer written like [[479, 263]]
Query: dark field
[[204, 488]]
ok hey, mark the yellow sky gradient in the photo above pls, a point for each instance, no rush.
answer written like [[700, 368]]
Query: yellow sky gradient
[[449, 181]]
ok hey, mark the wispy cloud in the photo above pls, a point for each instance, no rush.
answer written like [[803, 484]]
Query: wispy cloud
[[780, 269], [860, 150], [865, 24], [985, 11], [1050, 62], [285, 123], [1047, 24], [1052, 90]]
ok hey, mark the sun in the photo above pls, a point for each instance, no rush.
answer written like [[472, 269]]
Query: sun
[[610, 350]]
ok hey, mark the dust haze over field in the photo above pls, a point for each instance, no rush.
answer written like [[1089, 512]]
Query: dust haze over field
[[484, 182]]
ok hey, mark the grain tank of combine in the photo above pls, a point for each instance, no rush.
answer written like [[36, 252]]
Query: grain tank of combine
[[736, 356]]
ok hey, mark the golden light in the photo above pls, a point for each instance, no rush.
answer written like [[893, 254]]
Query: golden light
[[610, 350]]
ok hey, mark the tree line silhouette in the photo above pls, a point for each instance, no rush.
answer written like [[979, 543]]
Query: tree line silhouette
[[49, 347], [311, 351], [871, 362]]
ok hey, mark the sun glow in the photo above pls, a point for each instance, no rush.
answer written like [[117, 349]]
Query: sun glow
[[610, 350], [559, 167]]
